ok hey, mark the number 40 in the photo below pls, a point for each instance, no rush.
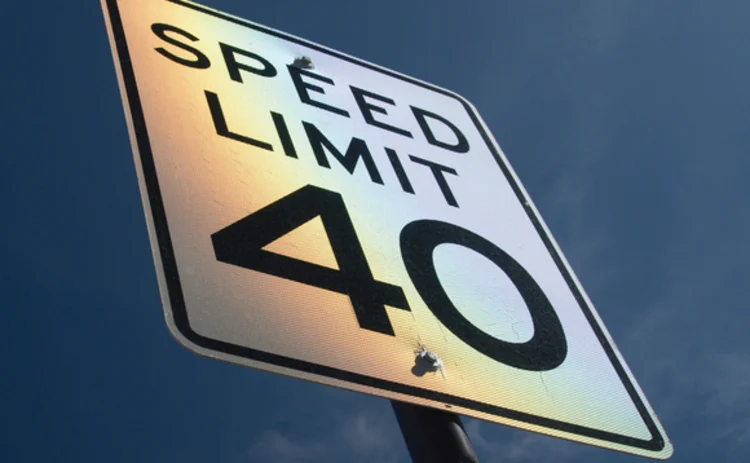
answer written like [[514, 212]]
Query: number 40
[[241, 244]]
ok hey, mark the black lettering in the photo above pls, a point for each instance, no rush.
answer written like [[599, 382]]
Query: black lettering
[[367, 109], [201, 61], [462, 144], [242, 242], [357, 150], [234, 68], [438, 171], [220, 124], [398, 169], [283, 131], [548, 347], [303, 87]]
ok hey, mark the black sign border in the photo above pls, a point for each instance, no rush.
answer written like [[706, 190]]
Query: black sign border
[[177, 302]]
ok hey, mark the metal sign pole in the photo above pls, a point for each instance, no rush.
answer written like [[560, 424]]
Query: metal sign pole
[[433, 436]]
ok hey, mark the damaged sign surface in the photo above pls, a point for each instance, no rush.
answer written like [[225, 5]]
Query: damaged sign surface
[[321, 217]]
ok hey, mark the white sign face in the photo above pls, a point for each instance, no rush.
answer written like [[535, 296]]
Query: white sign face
[[328, 219]]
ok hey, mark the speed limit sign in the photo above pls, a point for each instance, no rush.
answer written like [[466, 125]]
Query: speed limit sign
[[317, 216]]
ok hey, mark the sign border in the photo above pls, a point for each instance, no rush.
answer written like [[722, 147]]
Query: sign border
[[174, 287]]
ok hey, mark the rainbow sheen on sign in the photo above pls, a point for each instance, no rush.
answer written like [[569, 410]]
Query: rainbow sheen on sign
[[227, 129]]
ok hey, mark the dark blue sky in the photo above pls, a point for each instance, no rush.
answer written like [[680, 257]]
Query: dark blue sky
[[626, 121]]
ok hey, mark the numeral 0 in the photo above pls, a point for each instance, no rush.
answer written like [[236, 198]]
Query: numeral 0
[[241, 244]]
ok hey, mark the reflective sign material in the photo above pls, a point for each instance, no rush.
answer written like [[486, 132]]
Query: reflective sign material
[[318, 216]]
